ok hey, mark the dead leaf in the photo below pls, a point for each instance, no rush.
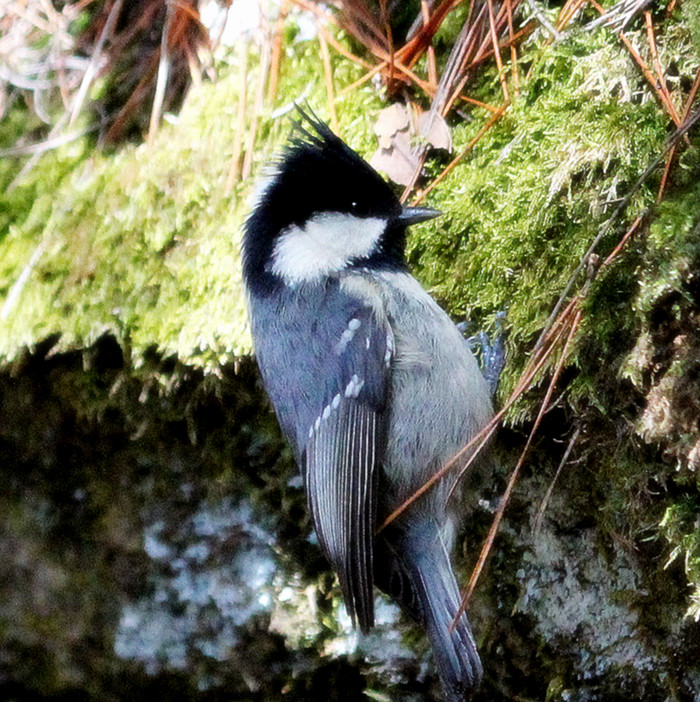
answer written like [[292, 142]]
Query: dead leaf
[[398, 153], [392, 119], [437, 133]]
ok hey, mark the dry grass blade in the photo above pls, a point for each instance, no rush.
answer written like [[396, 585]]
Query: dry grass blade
[[455, 161], [328, 76], [452, 81], [432, 65], [163, 70], [513, 49], [257, 108], [477, 443], [488, 544], [276, 59], [234, 168], [567, 13], [656, 63], [348, 54], [623, 241], [497, 52]]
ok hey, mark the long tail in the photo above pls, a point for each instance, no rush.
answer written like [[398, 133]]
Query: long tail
[[414, 568]]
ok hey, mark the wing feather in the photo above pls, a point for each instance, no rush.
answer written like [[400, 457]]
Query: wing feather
[[339, 467], [329, 385]]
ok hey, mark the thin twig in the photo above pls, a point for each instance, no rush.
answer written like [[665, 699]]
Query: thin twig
[[486, 549], [656, 63], [455, 161], [623, 242], [479, 441], [95, 58], [550, 489], [672, 152]]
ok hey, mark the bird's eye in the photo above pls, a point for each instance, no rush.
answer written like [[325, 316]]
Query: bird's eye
[[359, 209]]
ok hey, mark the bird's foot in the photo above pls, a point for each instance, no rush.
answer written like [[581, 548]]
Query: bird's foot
[[489, 349]]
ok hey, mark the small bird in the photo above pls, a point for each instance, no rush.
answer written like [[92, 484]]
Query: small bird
[[373, 385]]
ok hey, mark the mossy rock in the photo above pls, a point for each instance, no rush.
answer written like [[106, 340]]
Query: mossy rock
[[134, 422]]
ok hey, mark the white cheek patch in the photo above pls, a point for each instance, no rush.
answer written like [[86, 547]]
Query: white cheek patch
[[324, 245]]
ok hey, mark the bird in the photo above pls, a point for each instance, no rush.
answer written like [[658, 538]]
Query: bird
[[373, 385]]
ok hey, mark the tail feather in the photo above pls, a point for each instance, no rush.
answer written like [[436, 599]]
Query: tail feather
[[416, 571]]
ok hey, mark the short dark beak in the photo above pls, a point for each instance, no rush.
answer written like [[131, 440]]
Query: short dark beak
[[413, 215]]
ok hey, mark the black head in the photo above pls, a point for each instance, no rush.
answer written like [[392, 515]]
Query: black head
[[320, 178]]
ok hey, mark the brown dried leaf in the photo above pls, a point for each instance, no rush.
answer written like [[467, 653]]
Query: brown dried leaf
[[399, 161], [438, 135], [391, 120], [397, 155]]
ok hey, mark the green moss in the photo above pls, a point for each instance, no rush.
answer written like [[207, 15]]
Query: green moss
[[691, 14], [524, 205], [144, 244], [680, 527]]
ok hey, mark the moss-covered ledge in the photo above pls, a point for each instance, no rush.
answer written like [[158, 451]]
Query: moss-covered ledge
[[146, 482]]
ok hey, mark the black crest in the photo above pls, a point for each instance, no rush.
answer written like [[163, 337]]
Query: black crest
[[316, 173]]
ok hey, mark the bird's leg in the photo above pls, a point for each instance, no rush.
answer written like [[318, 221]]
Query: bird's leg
[[491, 352]]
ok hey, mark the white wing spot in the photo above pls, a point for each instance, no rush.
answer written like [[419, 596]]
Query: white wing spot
[[354, 386], [346, 337], [389, 349], [367, 343], [332, 405]]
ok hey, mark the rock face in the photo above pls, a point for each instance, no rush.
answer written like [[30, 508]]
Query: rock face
[[155, 543]]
